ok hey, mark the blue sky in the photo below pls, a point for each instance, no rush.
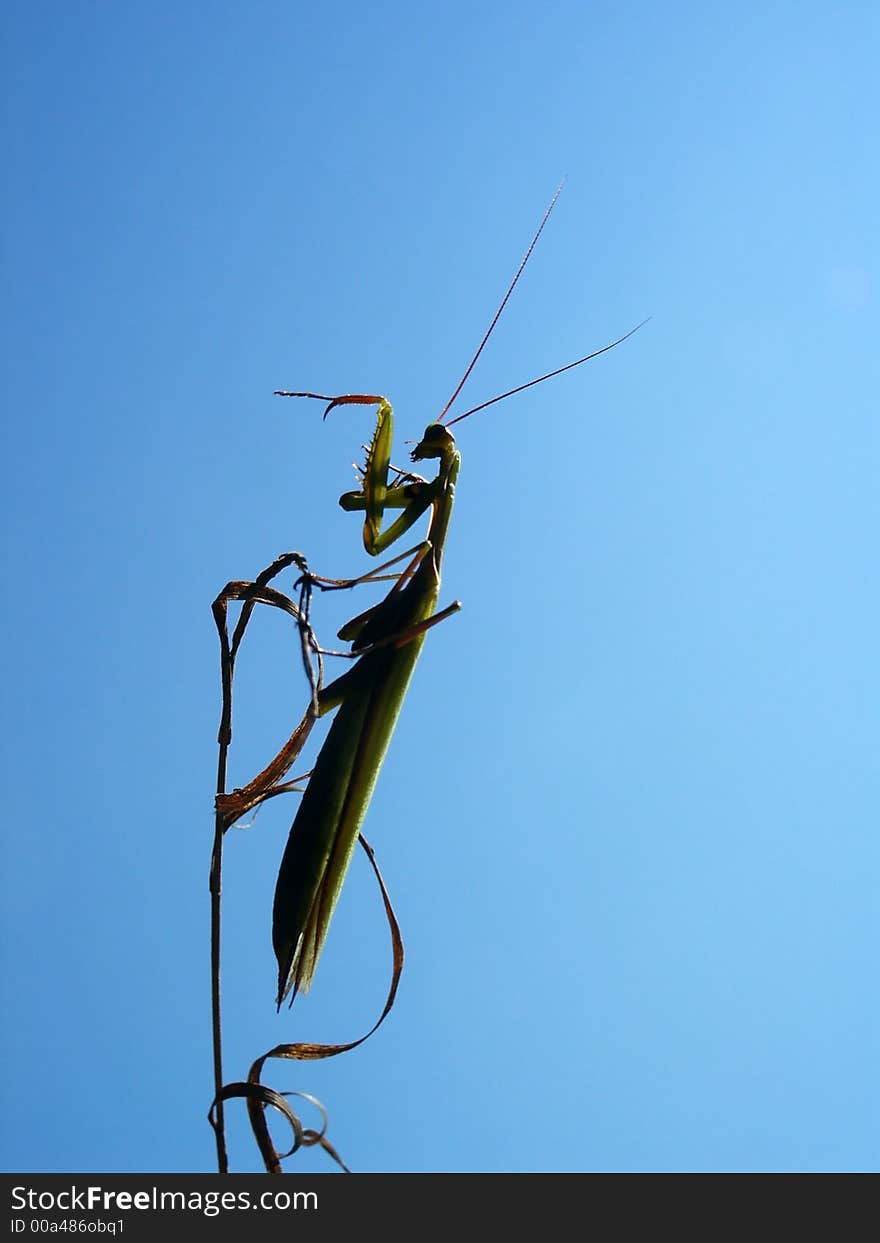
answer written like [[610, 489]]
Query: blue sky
[[629, 817]]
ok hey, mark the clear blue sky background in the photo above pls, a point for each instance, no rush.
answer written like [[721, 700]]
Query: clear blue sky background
[[629, 818]]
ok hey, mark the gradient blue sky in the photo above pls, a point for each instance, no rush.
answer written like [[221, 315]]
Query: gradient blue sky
[[629, 818]]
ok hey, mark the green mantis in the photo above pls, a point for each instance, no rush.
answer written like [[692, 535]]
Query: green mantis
[[368, 698], [387, 640]]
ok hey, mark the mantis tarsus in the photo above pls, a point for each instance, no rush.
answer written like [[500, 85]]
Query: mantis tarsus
[[368, 697]]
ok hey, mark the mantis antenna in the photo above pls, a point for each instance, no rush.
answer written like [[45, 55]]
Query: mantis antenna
[[540, 380], [550, 374], [504, 300]]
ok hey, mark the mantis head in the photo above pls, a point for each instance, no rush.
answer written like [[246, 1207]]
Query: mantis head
[[436, 442]]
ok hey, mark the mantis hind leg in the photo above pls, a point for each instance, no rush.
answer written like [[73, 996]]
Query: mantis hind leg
[[336, 691]]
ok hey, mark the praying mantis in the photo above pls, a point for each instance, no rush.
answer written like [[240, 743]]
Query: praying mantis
[[387, 640]]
